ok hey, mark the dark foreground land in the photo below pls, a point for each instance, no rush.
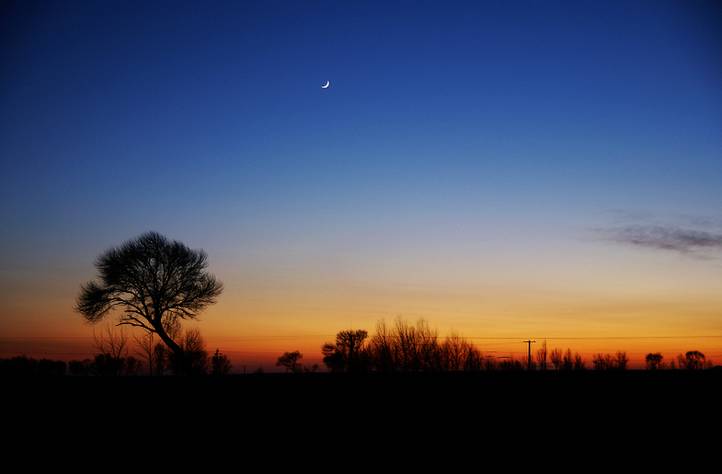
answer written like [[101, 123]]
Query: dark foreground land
[[602, 415], [601, 396]]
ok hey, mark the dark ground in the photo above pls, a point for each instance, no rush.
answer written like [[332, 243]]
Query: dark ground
[[611, 413], [605, 413], [589, 393]]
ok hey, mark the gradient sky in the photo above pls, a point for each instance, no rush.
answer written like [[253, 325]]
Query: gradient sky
[[501, 169]]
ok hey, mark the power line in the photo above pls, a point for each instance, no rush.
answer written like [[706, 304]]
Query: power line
[[301, 336]]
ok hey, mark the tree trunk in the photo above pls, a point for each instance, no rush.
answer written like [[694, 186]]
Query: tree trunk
[[180, 362]]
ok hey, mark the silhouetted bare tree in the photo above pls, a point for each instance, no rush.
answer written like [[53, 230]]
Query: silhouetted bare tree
[[618, 361], [419, 346], [382, 348], [458, 354], [112, 351], [654, 361], [566, 360], [154, 282], [290, 361], [112, 357], [406, 347], [603, 362]]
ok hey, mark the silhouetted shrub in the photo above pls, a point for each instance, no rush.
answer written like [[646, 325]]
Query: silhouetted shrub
[[27, 366], [107, 365], [220, 365], [510, 364], [20, 365], [47, 367], [80, 367], [132, 366]]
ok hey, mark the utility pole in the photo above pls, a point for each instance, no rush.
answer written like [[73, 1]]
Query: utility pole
[[529, 342]]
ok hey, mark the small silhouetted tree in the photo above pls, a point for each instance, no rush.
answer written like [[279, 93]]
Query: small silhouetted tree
[[579, 363], [474, 360], [618, 361], [602, 362], [458, 354], [556, 358], [692, 360], [348, 353], [453, 352], [568, 360], [382, 348], [290, 361], [154, 283], [220, 365], [621, 361], [541, 356], [654, 361]]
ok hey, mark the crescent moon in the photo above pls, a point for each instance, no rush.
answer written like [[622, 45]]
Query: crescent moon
[[327, 85]]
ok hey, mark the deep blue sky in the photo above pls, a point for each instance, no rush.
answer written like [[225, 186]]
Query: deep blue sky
[[461, 121]]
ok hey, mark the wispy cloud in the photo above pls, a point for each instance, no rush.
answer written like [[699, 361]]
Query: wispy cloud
[[665, 237]]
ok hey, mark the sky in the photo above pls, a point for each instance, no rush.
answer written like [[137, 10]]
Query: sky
[[501, 169]]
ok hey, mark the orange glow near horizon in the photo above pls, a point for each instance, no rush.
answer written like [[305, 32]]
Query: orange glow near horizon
[[255, 321], [595, 299]]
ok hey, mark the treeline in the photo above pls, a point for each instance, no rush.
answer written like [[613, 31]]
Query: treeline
[[398, 348], [113, 358], [405, 347]]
